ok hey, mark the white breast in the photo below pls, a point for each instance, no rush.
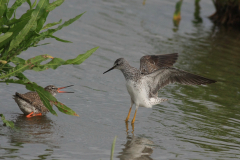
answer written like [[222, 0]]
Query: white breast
[[138, 93]]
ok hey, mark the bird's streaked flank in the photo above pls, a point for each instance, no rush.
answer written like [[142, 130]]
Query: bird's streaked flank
[[31, 104], [155, 72]]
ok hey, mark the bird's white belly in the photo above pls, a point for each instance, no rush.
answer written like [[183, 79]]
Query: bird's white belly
[[138, 94], [25, 107]]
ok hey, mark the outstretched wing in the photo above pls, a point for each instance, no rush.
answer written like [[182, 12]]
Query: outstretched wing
[[151, 63], [168, 75]]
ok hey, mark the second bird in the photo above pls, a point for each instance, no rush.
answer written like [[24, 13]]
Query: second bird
[[31, 104], [155, 72]]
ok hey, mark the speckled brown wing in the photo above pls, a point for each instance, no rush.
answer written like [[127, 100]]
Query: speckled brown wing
[[168, 75], [151, 63], [34, 99]]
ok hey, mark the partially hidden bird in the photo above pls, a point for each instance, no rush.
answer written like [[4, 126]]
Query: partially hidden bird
[[31, 104], [155, 72]]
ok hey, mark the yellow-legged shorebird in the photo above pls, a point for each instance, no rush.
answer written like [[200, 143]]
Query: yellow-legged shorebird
[[155, 72]]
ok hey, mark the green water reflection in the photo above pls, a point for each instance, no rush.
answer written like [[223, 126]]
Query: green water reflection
[[210, 114]]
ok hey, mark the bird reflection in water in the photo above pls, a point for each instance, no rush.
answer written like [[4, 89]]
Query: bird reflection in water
[[136, 148], [33, 130]]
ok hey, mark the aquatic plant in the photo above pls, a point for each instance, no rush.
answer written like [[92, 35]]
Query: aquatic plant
[[18, 34], [227, 12], [112, 149]]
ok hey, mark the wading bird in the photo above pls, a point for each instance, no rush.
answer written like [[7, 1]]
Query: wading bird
[[31, 104], [155, 72]]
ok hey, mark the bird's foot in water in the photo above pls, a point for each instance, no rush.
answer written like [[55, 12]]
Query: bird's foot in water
[[32, 114]]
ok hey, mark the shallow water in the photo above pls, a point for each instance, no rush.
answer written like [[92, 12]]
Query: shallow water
[[197, 122]]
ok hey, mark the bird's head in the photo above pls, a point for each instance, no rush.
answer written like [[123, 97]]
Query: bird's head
[[118, 64], [54, 90]]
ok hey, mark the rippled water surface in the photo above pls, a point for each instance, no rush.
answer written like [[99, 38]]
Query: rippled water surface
[[197, 122]]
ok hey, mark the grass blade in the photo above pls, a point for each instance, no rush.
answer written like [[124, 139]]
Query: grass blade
[[112, 149]]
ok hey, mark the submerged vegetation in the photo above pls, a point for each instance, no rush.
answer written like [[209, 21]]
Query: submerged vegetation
[[227, 12], [18, 34]]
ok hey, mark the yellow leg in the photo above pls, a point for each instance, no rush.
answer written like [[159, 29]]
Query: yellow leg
[[126, 127], [128, 114], [133, 120], [129, 111], [132, 128]]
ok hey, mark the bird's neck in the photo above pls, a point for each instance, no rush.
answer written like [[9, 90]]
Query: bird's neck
[[130, 73]]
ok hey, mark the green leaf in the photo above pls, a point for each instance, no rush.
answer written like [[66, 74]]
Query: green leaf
[[80, 58], [5, 36], [14, 7], [22, 77], [59, 39], [41, 21], [51, 24], [3, 8], [7, 123], [62, 108], [34, 4], [30, 63], [49, 32], [29, 3], [55, 4], [70, 21], [17, 60], [17, 81], [42, 4], [54, 63]]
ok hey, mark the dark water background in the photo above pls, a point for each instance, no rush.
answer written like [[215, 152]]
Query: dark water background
[[198, 122]]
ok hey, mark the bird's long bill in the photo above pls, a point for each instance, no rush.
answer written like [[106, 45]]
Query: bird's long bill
[[109, 69], [64, 91]]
